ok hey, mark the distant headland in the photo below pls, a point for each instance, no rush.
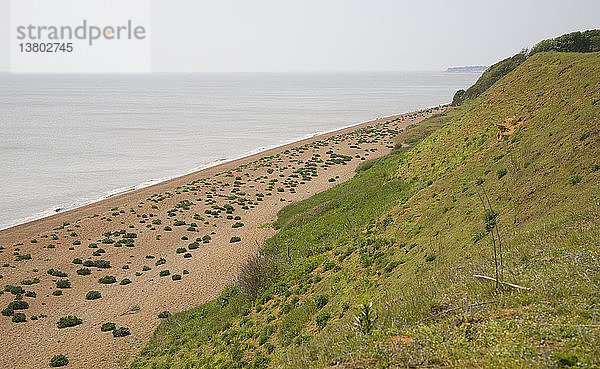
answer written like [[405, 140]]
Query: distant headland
[[467, 69]]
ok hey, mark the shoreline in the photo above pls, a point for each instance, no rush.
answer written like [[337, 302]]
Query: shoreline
[[149, 183], [140, 235]]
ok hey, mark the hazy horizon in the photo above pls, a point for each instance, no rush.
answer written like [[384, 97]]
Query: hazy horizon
[[235, 36]]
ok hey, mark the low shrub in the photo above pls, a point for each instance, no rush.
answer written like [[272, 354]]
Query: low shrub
[[125, 282], [107, 279], [322, 318], [164, 273], [164, 314], [121, 332], [29, 282], [321, 301], [235, 239], [84, 271], [56, 273], [575, 180], [18, 305], [176, 277], [93, 295], [15, 290], [57, 293], [107, 327], [19, 318], [58, 361], [63, 283], [68, 321]]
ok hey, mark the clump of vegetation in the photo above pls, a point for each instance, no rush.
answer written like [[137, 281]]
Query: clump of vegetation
[[106, 327], [58, 361], [19, 318], [164, 273], [63, 283], [56, 273], [321, 319], [84, 271], [235, 239], [102, 264], [107, 279], [364, 319], [121, 332], [68, 321], [15, 290], [164, 314], [93, 295]]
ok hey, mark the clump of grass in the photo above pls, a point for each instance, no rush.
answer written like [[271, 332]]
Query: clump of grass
[[176, 277], [235, 239], [164, 273], [125, 281]]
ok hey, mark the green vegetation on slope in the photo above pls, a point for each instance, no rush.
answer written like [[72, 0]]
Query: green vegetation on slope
[[378, 271], [581, 42]]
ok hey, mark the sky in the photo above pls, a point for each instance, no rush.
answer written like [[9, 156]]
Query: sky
[[345, 35]]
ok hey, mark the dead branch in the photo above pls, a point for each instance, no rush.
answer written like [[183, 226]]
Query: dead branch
[[501, 282]]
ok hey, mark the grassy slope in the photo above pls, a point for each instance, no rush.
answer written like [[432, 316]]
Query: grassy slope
[[402, 232]]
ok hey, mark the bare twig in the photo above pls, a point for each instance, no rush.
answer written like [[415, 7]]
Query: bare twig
[[501, 282]]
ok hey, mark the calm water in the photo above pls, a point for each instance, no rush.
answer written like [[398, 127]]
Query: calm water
[[70, 140]]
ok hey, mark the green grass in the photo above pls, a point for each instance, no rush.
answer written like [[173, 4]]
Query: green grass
[[378, 271]]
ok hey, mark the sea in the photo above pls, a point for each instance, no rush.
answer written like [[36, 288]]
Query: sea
[[70, 140]]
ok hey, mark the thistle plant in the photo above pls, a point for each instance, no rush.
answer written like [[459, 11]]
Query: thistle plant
[[364, 319]]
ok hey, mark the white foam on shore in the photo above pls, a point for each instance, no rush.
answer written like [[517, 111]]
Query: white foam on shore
[[151, 182]]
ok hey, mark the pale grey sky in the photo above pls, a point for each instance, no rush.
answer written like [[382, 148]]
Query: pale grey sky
[[346, 35]]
